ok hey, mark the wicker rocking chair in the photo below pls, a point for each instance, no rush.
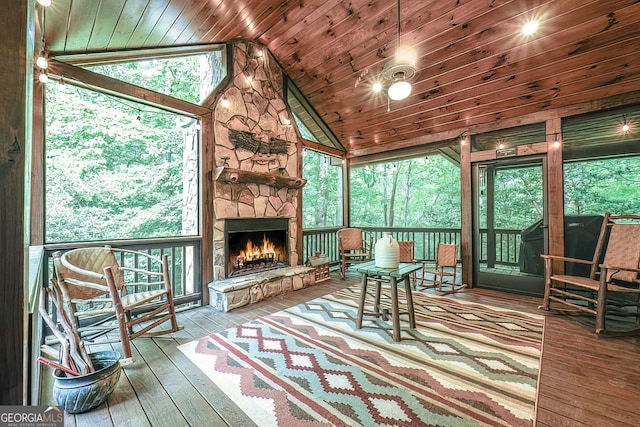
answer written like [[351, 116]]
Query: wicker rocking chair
[[614, 273]]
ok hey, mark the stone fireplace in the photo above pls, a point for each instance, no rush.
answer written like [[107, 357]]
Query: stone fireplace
[[256, 245], [257, 151]]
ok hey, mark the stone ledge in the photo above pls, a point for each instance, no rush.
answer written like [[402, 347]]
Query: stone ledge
[[234, 292]]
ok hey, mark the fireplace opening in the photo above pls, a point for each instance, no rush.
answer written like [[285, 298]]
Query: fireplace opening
[[256, 245]]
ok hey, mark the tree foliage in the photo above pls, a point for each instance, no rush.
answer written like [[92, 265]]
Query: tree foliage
[[322, 195], [421, 192]]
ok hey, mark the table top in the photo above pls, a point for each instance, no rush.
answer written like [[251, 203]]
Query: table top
[[370, 268]]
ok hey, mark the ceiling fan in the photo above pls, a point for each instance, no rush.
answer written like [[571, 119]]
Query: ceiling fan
[[397, 74]]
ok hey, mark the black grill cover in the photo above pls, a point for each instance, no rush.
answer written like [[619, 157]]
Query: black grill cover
[[581, 234]]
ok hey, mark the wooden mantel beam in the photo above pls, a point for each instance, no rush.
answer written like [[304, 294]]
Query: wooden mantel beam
[[125, 90], [238, 176]]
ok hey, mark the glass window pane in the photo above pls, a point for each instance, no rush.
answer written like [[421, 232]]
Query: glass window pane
[[191, 78], [419, 192], [594, 187], [322, 195], [116, 169]]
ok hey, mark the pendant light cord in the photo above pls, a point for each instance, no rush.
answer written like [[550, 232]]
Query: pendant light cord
[[398, 21]]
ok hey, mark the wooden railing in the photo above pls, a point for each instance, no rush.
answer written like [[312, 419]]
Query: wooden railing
[[507, 247], [183, 254], [505, 241], [323, 240]]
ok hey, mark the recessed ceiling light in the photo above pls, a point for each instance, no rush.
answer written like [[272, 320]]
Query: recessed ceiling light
[[530, 27], [377, 87]]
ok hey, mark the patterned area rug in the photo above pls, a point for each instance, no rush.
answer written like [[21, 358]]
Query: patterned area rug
[[464, 365]]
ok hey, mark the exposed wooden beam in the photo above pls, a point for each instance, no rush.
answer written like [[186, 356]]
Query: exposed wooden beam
[[322, 148], [125, 90]]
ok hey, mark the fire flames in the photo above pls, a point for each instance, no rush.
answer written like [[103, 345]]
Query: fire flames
[[253, 252]]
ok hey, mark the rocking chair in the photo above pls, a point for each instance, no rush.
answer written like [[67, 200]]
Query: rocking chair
[[352, 248], [101, 296], [614, 272], [445, 272]]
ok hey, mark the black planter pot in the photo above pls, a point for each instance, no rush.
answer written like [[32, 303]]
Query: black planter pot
[[82, 393]]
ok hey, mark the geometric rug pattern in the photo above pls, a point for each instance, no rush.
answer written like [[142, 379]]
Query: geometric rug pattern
[[464, 365]]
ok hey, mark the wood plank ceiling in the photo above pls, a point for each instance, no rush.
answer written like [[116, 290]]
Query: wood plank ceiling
[[474, 65]]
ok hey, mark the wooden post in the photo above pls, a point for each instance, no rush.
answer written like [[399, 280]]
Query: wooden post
[[207, 220], [466, 238], [491, 221], [17, 31], [555, 193]]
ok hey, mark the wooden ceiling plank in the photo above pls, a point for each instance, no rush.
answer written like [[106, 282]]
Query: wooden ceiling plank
[[130, 91], [552, 56], [471, 18], [231, 13], [314, 42], [146, 23], [131, 14], [183, 22], [358, 51], [297, 25], [56, 23], [208, 19], [468, 49], [82, 19], [164, 23], [257, 22], [499, 104], [107, 18], [518, 109], [536, 78]]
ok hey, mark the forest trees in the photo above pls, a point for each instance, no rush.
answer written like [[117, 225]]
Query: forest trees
[[114, 167], [420, 192]]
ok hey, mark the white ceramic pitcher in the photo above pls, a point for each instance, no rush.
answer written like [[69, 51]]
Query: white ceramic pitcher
[[387, 252]]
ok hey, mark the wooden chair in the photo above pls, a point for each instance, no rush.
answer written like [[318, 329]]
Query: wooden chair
[[615, 269], [352, 248], [407, 254], [100, 295], [445, 272]]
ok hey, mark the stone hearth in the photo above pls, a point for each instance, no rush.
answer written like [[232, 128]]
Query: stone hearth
[[239, 291]]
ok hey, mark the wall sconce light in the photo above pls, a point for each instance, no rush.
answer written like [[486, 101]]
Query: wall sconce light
[[43, 77], [44, 3], [501, 144], [463, 138], [224, 102], [41, 61], [556, 141]]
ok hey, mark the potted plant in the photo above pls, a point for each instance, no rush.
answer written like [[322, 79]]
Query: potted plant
[[83, 380]]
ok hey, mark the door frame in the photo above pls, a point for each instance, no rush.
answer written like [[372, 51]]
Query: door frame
[[554, 192], [527, 285]]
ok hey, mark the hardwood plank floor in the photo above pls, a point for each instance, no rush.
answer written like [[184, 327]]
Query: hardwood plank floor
[[585, 379]]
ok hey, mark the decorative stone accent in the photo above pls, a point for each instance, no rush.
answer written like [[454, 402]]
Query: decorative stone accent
[[227, 294]]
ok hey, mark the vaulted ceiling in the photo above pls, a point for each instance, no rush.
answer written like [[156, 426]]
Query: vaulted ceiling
[[474, 65]]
